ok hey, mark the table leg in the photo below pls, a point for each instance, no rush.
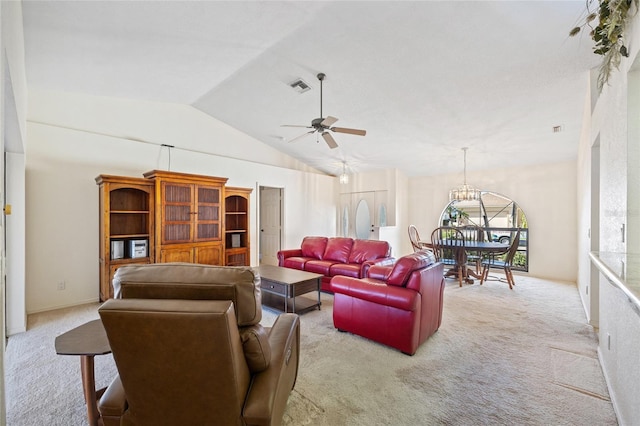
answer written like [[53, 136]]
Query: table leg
[[89, 388]]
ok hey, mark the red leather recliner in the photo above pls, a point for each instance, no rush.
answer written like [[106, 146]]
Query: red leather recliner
[[399, 306]]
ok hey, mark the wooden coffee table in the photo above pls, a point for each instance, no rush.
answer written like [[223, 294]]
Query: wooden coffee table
[[282, 286], [87, 341]]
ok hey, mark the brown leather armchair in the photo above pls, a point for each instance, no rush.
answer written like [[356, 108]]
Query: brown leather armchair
[[189, 348]]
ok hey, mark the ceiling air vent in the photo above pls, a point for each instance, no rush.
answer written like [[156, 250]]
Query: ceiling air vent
[[300, 86]]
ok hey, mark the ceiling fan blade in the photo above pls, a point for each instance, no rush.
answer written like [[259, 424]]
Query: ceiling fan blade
[[329, 140], [295, 125], [350, 131], [329, 121], [301, 136]]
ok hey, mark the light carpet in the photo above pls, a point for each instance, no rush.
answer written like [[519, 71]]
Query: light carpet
[[501, 357]]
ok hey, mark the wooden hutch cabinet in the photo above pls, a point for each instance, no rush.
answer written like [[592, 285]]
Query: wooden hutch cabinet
[[188, 217], [126, 225], [236, 218], [170, 217]]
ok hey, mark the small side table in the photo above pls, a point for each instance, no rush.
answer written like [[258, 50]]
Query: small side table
[[87, 341]]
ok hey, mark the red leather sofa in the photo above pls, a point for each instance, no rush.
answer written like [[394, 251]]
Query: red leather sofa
[[399, 306], [333, 256]]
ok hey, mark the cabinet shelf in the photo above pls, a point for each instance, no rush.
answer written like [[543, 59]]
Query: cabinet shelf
[[236, 213], [128, 260], [129, 211], [126, 215], [127, 236]]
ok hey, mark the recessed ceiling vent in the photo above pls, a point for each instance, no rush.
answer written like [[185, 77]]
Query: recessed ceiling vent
[[300, 86], [557, 129]]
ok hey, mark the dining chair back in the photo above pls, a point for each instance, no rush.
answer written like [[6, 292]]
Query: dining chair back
[[473, 233], [416, 242], [448, 247], [506, 263]]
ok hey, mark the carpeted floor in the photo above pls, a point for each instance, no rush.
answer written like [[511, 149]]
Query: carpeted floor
[[501, 357]]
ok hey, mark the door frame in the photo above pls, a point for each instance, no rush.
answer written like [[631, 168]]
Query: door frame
[[260, 214]]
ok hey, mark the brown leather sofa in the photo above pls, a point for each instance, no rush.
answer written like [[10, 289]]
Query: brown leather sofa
[[189, 348], [331, 256], [399, 306]]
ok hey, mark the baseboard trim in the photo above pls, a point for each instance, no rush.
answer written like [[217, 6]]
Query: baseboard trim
[[612, 394], [68, 305]]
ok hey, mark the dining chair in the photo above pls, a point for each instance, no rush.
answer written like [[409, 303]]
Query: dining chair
[[506, 264], [473, 233], [416, 242], [448, 247]]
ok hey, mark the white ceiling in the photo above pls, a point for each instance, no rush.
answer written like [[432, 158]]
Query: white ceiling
[[423, 78]]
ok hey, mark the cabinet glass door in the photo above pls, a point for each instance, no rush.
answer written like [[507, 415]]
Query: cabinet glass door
[[208, 214], [177, 217]]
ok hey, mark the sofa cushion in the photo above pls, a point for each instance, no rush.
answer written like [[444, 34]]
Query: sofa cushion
[[256, 348], [407, 264], [295, 262], [319, 266], [338, 249], [346, 269], [364, 250], [314, 247], [240, 284]]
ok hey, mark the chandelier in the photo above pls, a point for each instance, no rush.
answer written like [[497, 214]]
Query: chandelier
[[464, 192], [344, 177]]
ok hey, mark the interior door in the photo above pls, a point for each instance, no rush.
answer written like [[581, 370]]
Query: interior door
[[364, 216], [270, 225]]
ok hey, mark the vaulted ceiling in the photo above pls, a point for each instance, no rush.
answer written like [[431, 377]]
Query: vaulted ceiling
[[423, 78]]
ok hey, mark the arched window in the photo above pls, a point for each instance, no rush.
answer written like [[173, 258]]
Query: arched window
[[499, 216]]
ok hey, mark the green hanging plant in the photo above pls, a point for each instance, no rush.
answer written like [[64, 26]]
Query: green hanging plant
[[612, 19]]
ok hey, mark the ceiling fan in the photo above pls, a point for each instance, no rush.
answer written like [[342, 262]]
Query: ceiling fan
[[322, 125]]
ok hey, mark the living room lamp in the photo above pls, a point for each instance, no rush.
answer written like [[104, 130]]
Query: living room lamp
[[344, 177], [464, 192]]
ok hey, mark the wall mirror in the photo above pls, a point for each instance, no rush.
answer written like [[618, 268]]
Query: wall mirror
[[498, 215]]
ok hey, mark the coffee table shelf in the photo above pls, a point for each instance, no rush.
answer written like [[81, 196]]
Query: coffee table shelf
[[283, 288]]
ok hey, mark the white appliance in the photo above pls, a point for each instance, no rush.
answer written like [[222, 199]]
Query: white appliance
[[117, 249], [137, 248]]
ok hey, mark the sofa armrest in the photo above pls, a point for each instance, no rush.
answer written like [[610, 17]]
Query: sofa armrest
[[113, 403], [270, 389], [283, 254], [383, 261], [379, 272]]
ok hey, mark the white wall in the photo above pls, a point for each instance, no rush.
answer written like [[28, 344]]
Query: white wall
[[12, 71], [86, 136], [547, 195], [617, 134], [15, 243]]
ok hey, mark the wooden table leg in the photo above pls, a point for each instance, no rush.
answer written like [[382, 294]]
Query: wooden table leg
[[89, 388]]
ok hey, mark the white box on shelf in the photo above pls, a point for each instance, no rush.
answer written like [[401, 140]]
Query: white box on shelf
[[137, 248], [117, 249]]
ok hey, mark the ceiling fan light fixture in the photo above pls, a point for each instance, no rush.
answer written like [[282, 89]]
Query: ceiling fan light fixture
[[464, 192], [323, 124]]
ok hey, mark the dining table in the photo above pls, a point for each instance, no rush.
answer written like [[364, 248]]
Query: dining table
[[481, 247]]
